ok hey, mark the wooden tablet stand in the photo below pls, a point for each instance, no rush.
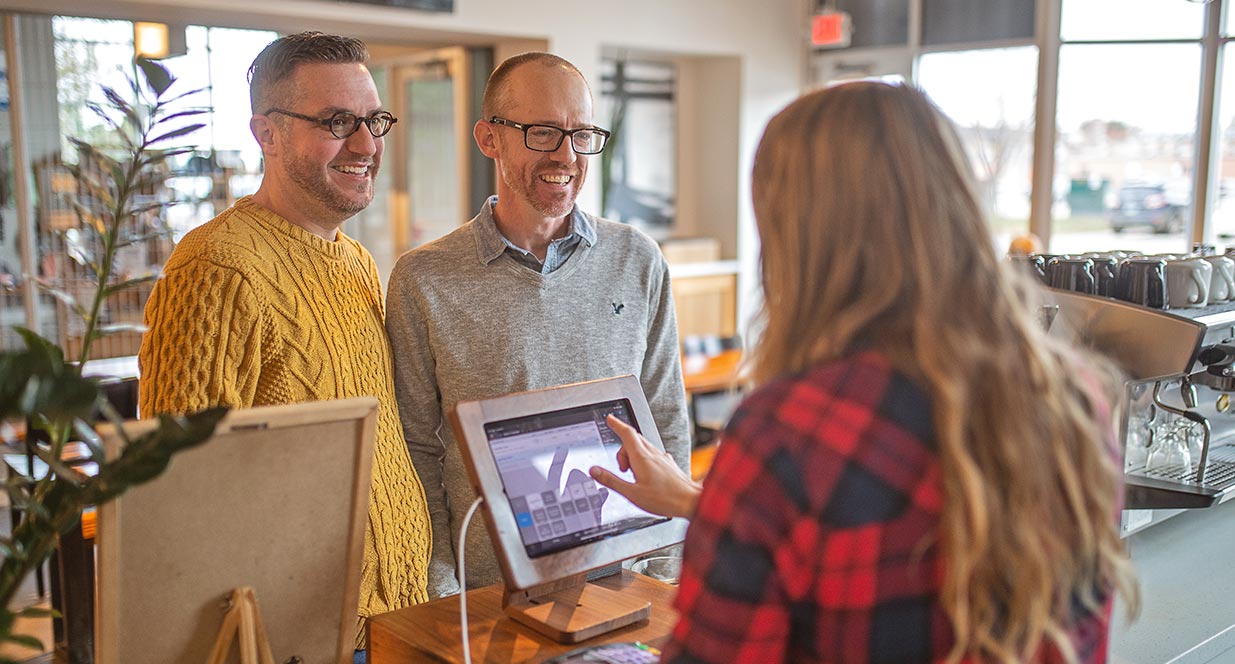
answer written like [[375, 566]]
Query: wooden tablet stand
[[572, 610]]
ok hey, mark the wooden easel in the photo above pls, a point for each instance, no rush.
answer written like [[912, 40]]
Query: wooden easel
[[244, 618]]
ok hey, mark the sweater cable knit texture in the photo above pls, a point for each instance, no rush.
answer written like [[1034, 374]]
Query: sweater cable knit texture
[[253, 310]]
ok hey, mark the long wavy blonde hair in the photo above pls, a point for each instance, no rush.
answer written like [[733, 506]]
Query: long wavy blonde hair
[[872, 238]]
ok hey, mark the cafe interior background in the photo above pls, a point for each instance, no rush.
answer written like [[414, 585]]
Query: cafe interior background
[[1067, 109], [1134, 87]]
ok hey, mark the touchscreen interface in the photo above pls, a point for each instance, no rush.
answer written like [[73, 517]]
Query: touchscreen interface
[[543, 461]]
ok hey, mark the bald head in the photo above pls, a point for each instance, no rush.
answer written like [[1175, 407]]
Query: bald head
[[497, 91]]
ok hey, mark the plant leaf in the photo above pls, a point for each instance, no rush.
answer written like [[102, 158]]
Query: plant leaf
[[176, 133], [158, 79], [154, 157], [130, 283], [87, 434], [64, 297], [89, 219], [98, 110], [93, 186], [24, 640], [152, 206], [147, 456], [37, 382], [115, 328], [180, 95], [121, 104], [36, 343], [55, 465], [117, 172], [38, 612], [27, 504], [182, 114]]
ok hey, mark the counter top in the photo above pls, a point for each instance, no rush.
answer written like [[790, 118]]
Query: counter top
[[1184, 566], [708, 269], [431, 631]]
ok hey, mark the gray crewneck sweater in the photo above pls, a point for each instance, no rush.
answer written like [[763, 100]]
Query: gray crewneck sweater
[[468, 322]]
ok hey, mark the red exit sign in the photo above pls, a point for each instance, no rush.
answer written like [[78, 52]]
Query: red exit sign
[[830, 30]]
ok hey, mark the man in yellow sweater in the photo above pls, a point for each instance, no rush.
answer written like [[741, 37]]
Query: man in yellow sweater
[[269, 303]]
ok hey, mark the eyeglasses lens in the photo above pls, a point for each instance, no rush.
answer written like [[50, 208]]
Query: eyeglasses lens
[[588, 142], [544, 138], [343, 125], [548, 139]]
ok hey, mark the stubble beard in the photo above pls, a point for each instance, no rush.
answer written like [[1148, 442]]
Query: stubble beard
[[313, 182], [526, 189]]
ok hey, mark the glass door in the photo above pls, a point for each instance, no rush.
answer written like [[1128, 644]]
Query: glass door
[[433, 144]]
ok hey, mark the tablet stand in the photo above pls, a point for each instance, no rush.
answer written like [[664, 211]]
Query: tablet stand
[[571, 610]]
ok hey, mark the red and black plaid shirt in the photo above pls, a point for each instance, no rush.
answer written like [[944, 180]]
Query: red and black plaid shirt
[[815, 535]]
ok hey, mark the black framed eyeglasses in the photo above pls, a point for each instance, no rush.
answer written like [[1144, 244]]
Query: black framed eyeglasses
[[344, 124], [547, 138]]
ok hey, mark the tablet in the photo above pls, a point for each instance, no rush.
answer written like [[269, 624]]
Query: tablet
[[528, 456]]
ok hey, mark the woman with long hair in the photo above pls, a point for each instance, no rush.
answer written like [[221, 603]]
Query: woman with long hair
[[921, 474]]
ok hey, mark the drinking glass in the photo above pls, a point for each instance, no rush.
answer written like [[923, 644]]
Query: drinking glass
[[662, 568], [1169, 453], [1140, 436]]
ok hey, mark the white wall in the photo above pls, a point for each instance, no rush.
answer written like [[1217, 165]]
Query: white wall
[[765, 36]]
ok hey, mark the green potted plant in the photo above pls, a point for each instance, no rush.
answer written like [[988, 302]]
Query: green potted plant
[[42, 387]]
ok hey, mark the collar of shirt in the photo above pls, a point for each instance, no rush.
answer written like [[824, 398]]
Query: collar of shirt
[[581, 228]]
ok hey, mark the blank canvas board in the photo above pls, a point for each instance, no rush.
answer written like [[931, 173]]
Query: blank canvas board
[[276, 500]]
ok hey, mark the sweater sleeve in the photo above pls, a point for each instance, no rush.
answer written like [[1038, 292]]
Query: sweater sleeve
[[661, 376], [420, 411], [203, 345]]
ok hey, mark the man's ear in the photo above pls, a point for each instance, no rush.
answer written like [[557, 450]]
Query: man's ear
[[486, 138], [266, 133]]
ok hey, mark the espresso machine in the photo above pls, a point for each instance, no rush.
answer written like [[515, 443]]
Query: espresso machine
[[1180, 365]]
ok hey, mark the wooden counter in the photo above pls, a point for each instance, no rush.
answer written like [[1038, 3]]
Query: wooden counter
[[430, 632]]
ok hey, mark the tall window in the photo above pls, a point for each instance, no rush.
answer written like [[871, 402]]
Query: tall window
[[1222, 217], [1129, 85], [65, 61], [996, 127], [1126, 125]]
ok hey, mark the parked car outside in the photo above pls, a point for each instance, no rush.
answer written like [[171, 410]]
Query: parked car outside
[[1140, 204]]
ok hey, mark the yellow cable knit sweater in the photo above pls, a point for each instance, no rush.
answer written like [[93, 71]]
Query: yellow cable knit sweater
[[253, 310]]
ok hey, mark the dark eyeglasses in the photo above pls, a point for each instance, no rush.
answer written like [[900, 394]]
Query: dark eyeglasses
[[344, 124], [547, 138]]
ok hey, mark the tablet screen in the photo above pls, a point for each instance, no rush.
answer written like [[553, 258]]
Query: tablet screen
[[543, 461]]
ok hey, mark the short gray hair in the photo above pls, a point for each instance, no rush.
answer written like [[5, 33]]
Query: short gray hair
[[276, 64]]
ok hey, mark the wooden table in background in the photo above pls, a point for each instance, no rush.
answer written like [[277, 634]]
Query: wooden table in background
[[430, 632], [717, 373], [702, 374]]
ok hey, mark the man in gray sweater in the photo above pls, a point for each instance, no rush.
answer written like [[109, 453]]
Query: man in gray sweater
[[530, 293]]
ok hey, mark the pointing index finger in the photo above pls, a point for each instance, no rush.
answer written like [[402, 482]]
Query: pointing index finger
[[624, 431]]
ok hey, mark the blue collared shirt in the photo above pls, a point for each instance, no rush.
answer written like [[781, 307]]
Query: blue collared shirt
[[493, 244]]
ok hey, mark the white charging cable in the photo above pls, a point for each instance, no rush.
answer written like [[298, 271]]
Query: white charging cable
[[467, 645]]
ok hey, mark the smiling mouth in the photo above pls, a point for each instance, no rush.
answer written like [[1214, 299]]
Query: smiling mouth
[[352, 170], [557, 179]]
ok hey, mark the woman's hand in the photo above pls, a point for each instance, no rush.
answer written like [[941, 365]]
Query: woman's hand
[[660, 487]]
